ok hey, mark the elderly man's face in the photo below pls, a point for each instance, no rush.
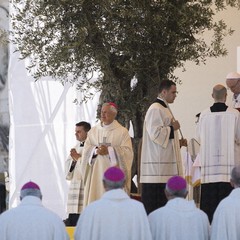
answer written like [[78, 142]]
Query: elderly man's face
[[233, 85], [107, 115]]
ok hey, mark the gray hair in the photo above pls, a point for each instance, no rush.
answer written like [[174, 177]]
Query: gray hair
[[176, 193], [109, 185], [112, 108], [30, 192]]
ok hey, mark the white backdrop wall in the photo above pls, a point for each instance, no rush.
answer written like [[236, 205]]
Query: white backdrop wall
[[198, 81]]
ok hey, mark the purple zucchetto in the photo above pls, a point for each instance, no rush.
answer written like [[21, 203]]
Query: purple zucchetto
[[30, 185], [176, 183], [114, 174], [30, 189]]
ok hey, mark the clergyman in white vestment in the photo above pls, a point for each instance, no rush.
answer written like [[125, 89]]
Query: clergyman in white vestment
[[160, 156], [30, 220], [179, 218], [233, 83], [114, 216], [73, 174], [218, 132], [226, 219], [107, 144]]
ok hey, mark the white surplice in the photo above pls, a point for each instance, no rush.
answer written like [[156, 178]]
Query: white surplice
[[30, 220], [117, 138], [219, 137], [114, 216], [179, 219], [226, 219], [76, 188], [160, 157]]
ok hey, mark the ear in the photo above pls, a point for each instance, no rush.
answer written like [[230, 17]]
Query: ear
[[166, 194], [164, 91]]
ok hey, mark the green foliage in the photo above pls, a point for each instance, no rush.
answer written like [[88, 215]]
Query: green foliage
[[145, 40]]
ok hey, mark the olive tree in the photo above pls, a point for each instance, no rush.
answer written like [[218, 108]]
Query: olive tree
[[132, 44]]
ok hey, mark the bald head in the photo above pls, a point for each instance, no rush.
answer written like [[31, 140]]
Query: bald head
[[219, 93], [235, 176]]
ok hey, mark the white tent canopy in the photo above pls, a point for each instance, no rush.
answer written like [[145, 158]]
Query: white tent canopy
[[42, 123]]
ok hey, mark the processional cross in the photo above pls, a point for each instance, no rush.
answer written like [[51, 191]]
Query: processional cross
[[104, 142]]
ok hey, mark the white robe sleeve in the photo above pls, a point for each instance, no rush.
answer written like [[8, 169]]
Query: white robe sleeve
[[157, 129]]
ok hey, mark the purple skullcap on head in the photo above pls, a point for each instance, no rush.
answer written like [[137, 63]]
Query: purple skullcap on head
[[29, 185], [233, 75], [176, 183], [114, 174], [113, 104]]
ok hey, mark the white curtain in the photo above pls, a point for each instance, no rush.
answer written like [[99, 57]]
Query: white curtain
[[42, 123]]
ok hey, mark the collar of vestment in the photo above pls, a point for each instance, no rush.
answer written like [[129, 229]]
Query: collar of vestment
[[180, 204], [109, 127], [115, 194], [219, 107], [160, 101], [31, 200]]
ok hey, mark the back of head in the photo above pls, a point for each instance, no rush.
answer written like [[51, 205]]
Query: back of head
[[235, 176], [166, 85], [219, 93], [176, 186], [30, 189], [113, 178]]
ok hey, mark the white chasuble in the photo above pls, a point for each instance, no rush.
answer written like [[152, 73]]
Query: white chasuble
[[113, 217], [120, 145], [179, 219], [226, 219], [30, 220]]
